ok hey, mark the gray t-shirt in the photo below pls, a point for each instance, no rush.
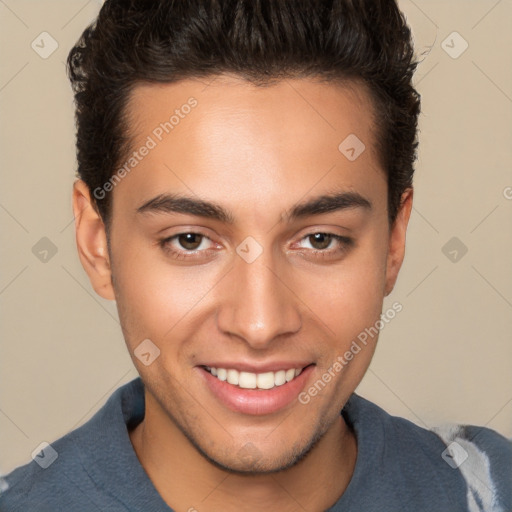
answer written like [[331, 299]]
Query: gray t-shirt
[[400, 466]]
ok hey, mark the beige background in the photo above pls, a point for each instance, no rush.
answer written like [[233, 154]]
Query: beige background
[[446, 357]]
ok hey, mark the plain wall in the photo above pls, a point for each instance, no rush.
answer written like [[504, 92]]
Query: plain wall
[[446, 357]]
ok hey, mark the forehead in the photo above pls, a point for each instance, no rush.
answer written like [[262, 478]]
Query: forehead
[[225, 135], [330, 107]]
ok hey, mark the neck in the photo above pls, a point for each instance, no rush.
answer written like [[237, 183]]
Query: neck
[[186, 480]]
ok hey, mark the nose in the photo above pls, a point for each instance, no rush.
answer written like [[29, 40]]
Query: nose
[[258, 303]]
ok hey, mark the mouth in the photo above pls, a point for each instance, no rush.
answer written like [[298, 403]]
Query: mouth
[[249, 380], [255, 393]]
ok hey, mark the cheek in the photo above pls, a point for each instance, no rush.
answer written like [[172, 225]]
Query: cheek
[[154, 295], [348, 297]]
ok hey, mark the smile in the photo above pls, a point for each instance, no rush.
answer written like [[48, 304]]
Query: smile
[[255, 393], [248, 380]]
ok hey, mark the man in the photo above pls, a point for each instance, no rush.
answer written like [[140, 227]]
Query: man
[[245, 188]]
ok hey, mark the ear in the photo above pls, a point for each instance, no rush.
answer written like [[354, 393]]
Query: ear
[[91, 241], [396, 248]]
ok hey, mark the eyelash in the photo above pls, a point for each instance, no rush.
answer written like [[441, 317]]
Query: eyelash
[[345, 242]]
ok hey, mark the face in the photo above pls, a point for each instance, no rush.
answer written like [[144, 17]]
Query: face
[[267, 249]]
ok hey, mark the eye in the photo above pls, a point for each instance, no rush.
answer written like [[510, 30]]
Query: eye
[[190, 241], [186, 245], [327, 243], [196, 245]]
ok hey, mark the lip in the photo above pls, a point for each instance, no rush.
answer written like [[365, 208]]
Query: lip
[[255, 401]]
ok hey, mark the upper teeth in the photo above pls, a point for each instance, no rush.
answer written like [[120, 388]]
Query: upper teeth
[[249, 380]]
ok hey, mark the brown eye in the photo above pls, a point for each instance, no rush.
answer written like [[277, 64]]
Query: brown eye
[[320, 241], [189, 246], [326, 245], [190, 241]]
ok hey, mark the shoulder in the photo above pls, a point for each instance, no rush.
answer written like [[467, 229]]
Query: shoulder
[[469, 466], [54, 478], [484, 458], [82, 470]]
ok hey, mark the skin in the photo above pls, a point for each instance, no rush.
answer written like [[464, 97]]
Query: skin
[[256, 152]]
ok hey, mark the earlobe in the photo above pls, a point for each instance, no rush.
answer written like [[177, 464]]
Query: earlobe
[[396, 249], [91, 240]]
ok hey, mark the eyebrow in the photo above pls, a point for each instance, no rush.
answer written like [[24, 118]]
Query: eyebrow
[[175, 203]]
